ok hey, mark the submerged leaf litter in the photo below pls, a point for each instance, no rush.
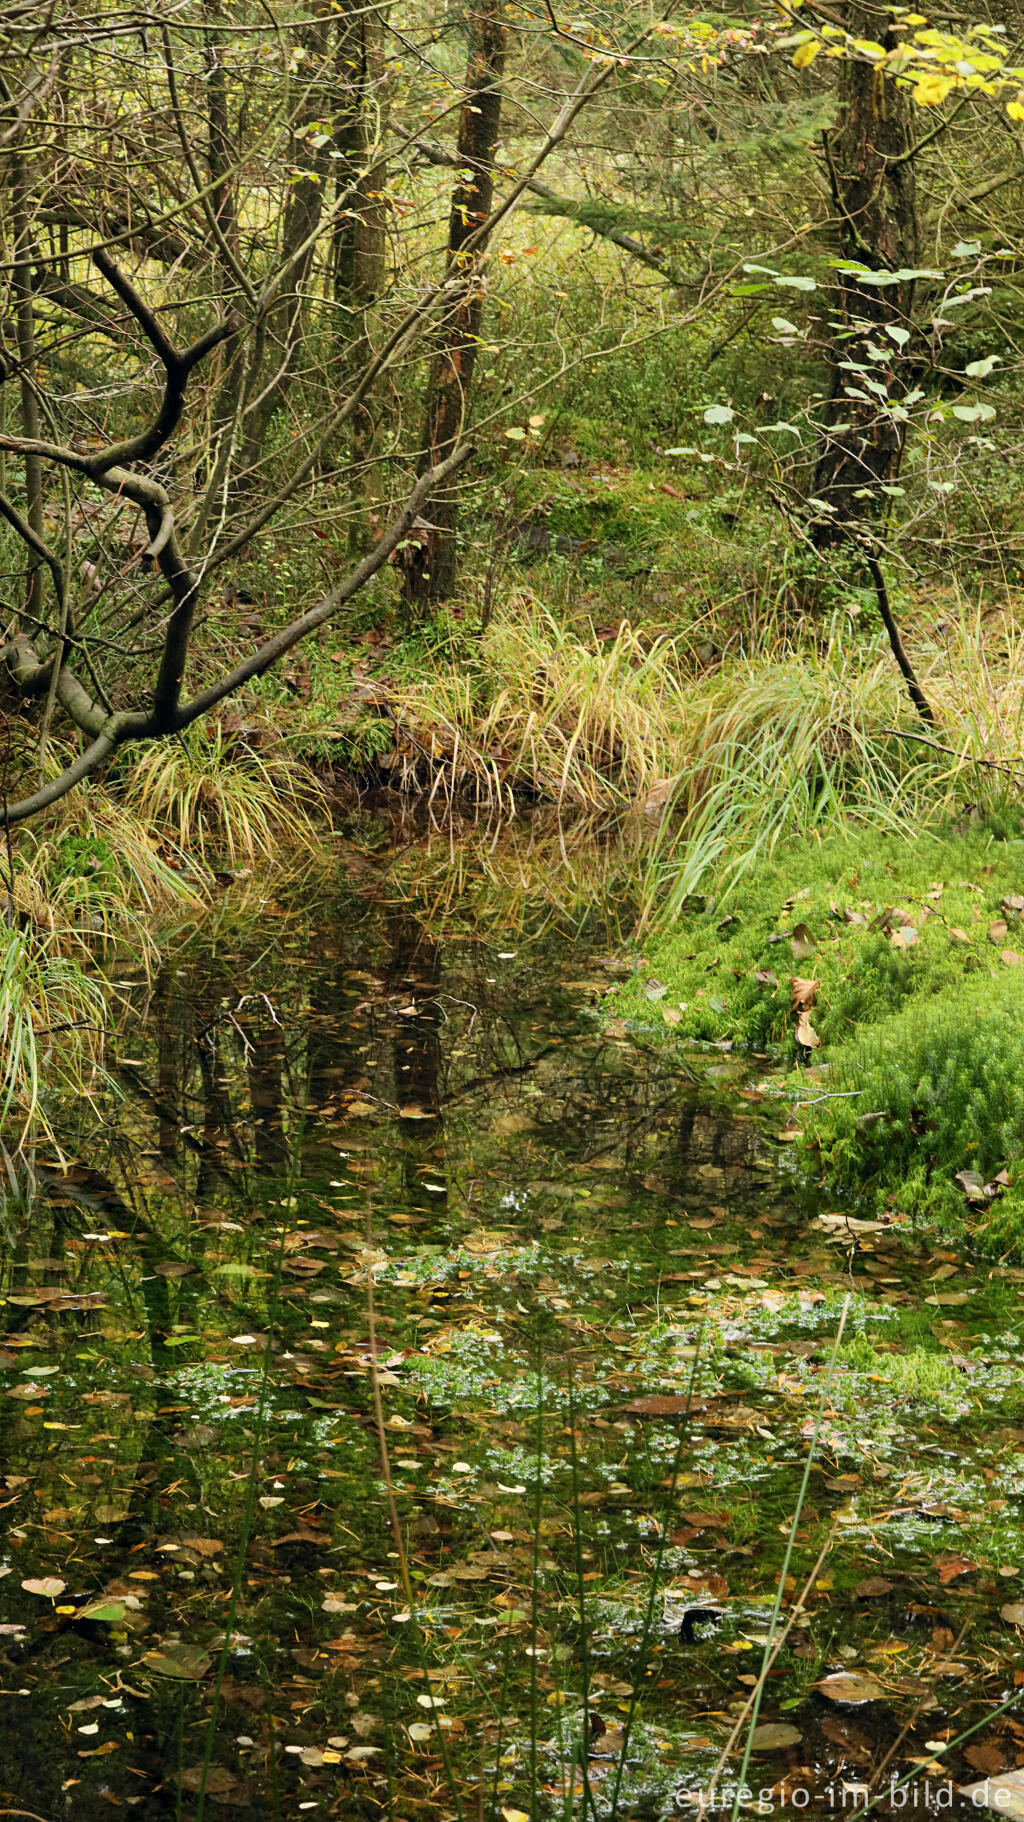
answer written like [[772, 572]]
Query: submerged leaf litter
[[383, 1172]]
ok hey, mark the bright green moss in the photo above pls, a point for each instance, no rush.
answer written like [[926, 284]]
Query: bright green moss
[[727, 967], [933, 1091]]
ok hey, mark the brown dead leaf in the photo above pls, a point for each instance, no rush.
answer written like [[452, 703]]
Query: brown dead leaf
[[985, 1756], [203, 1546], [659, 1404], [997, 930], [950, 1566], [802, 996]]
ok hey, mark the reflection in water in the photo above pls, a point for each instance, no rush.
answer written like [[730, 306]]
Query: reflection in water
[[411, 1085]]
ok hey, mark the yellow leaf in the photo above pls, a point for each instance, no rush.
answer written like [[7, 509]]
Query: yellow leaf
[[930, 90], [805, 54], [1015, 109]]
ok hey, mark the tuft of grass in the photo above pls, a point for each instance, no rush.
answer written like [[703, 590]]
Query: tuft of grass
[[793, 737], [93, 875], [51, 1029], [535, 708], [220, 798]]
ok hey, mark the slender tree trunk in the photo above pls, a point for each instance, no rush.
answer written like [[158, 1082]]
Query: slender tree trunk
[[871, 167], [282, 330], [218, 126], [25, 331], [360, 249], [451, 378]]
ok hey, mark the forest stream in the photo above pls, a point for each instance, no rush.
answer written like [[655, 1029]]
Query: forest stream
[[426, 1396]]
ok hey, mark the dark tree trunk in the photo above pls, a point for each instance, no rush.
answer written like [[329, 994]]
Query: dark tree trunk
[[451, 378], [871, 167], [265, 1061]]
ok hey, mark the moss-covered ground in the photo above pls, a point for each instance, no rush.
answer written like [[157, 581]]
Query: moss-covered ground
[[883, 979]]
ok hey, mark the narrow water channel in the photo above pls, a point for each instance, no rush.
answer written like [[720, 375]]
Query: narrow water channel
[[418, 1388]]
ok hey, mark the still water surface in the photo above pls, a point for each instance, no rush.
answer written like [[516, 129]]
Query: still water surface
[[408, 1384]]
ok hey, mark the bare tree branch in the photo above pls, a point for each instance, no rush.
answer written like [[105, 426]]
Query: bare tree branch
[[112, 731]]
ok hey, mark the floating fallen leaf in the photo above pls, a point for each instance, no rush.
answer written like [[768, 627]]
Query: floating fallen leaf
[[49, 1586], [842, 1225], [985, 1756], [771, 1736], [851, 1687], [187, 1663], [101, 1609], [872, 1586], [1013, 1613], [950, 1566]]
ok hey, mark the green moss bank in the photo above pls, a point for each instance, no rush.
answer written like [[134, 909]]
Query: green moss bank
[[885, 977]]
